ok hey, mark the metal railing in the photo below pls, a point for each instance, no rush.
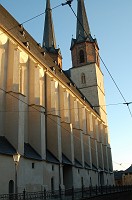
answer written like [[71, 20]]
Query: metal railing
[[68, 194]]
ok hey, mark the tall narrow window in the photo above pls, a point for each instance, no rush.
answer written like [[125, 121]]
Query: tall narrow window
[[52, 185], [76, 113], [91, 122], [83, 119], [16, 70], [83, 78], [2, 63], [54, 97], [20, 80], [81, 55], [23, 58], [66, 106], [41, 82]]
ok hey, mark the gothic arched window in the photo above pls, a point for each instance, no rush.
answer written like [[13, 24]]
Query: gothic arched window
[[83, 78], [81, 56]]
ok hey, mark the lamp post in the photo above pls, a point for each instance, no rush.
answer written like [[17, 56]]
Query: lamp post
[[16, 158]]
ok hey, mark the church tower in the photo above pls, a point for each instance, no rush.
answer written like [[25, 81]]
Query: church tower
[[85, 71], [49, 41]]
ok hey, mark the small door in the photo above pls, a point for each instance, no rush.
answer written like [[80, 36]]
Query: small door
[[67, 176], [82, 184], [11, 187], [52, 185]]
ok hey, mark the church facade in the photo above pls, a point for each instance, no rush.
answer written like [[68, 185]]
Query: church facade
[[53, 118]]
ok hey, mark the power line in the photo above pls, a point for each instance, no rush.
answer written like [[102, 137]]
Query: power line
[[51, 120], [20, 100], [67, 132], [43, 112], [68, 109], [120, 164], [47, 116], [34, 105], [17, 97], [69, 3], [28, 20], [91, 39], [40, 14]]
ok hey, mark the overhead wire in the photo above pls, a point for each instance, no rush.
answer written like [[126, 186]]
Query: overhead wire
[[40, 14], [43, 112], [17, 97], [30, 19], [22, 100], [101, 60], [120, 164], [69, 3], [34, 105], [51, 111]]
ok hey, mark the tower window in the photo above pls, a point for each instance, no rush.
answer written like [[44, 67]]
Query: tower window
[[32, 165], [81, 55], [52, 167], [83, 78]]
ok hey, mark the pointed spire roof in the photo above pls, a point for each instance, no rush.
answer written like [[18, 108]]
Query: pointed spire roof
[[49, 35], [82, 22]]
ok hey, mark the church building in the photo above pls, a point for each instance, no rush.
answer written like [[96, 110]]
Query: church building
[[54, 121]]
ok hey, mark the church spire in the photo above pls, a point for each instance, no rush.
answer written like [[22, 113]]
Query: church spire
[[83, 29], [49, 41], [84, 48], [49, 35]]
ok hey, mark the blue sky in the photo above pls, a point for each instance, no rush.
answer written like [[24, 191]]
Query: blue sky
[[110, 22]]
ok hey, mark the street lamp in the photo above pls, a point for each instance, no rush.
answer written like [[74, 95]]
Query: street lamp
[[16, 158]]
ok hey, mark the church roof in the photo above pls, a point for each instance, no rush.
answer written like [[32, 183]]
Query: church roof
[[83, 29], [49, 35], [51, 158], [30, 153], [14, 29], [87, 166], [78, 163], [129, 170], [94, 168], [65, 160], [6, 147]]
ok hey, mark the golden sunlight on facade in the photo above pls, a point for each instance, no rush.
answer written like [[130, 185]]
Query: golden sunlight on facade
[[52, 118]]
